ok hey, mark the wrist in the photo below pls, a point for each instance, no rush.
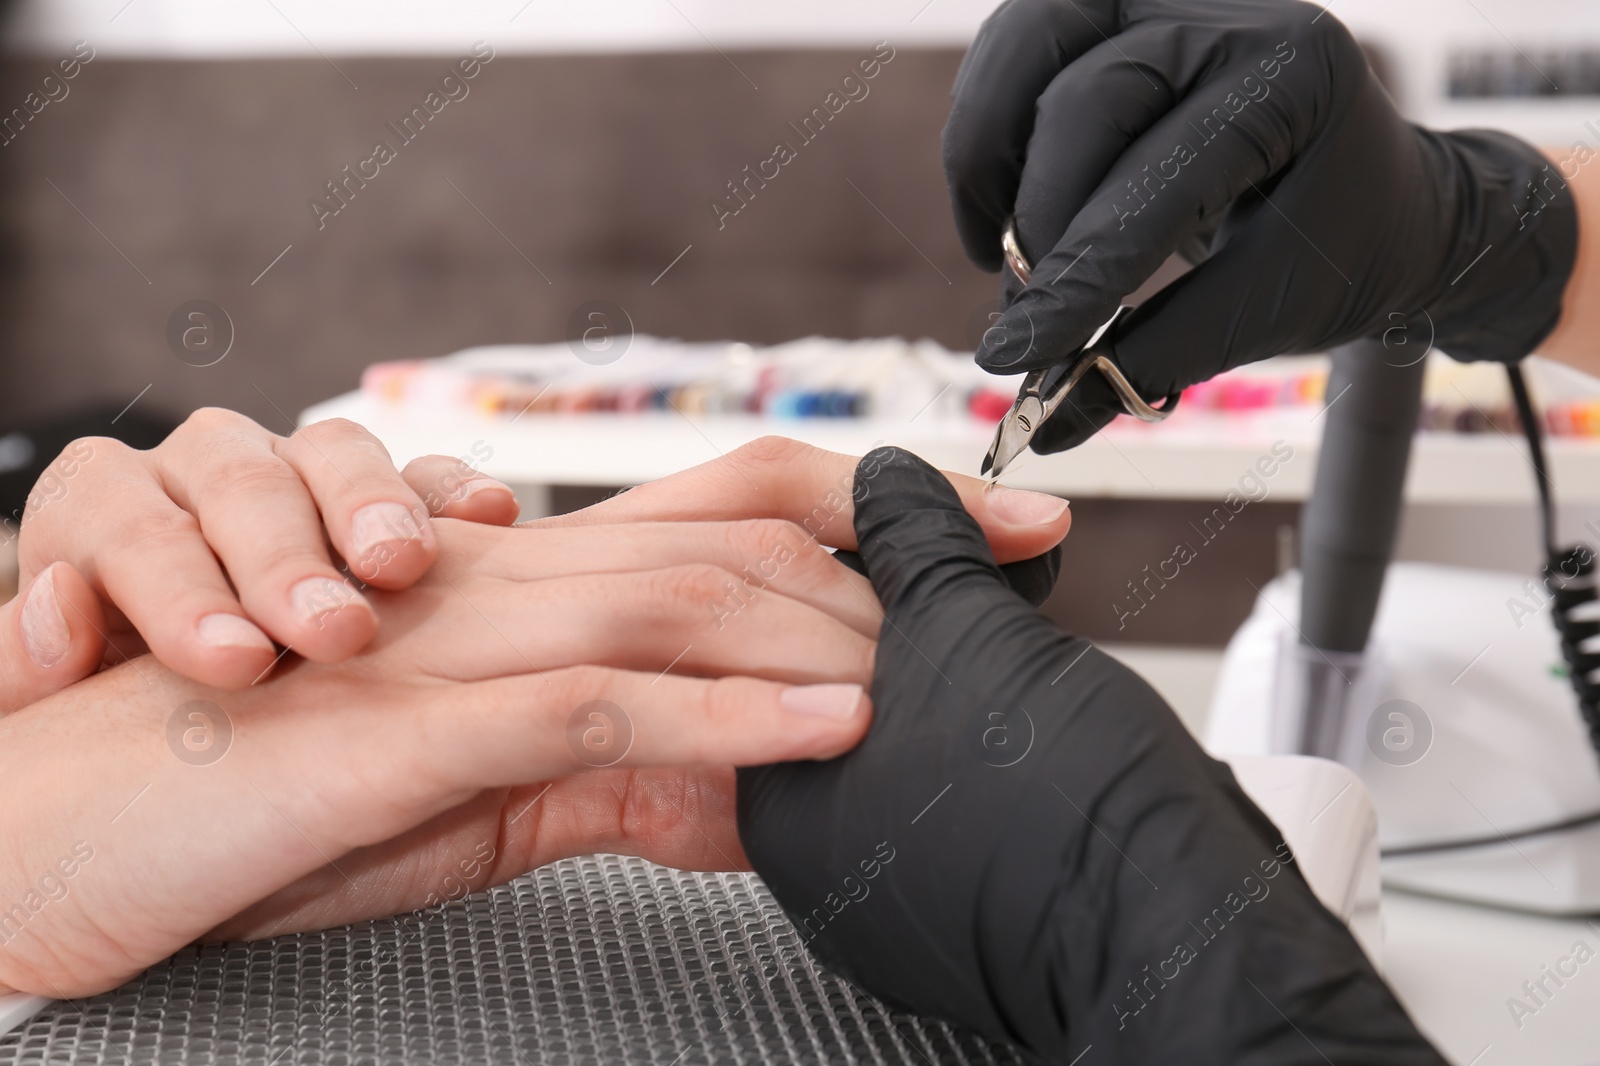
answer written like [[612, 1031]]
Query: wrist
[[1576, 338], [1516, 243]]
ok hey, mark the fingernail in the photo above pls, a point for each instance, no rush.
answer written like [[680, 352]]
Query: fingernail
[[825, 701], [314, 597], [44, 628], [1021, 508], [382, 523], [230, 631], [484, 484]]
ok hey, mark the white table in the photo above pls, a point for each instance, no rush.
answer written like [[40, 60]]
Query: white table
[[1452, 964], [1200, 457], [1455, 966]]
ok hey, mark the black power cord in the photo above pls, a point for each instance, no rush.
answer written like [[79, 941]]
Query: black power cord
[[1569, 574]]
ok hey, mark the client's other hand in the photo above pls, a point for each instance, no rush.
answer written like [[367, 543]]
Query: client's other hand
[[210, 546], [1029, 842], [522, 702]]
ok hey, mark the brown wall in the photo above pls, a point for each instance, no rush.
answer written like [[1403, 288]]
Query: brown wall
[[598, 169]]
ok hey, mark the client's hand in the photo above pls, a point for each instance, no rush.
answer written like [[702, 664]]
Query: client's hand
[[771, 499], [145, 810], [1029, 842], [210, 546]]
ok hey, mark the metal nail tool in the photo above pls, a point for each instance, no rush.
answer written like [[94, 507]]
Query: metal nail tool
[[1045, 389]]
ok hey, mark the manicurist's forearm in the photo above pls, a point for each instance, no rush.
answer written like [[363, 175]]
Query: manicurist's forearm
[[1576, 338]]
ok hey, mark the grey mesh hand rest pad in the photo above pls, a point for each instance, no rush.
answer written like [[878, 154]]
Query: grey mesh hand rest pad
[[598, 960]]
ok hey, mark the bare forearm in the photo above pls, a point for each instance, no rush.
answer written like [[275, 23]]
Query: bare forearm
[[1576, 338]]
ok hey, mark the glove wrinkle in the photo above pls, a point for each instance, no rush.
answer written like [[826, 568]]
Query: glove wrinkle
[[1030, 844]]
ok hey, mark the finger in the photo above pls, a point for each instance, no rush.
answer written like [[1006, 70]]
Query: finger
[[50, 637], [516, 730], [757, 554], [679, 817], [1210, 149], [1229, 310], [1018, 50], [149, 563], [1034, 579], [376, 522], [164, 580], [775, 477], [450, 488], [1074, 147], [682, 817], [257, 515], [695, 620]]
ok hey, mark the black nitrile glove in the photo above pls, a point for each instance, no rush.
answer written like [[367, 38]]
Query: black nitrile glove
[[1029, 842], [1249, 134]]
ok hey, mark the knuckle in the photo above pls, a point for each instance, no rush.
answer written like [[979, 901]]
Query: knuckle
[[652, 806], [1299, 16], [78, 455], [439, 479], [962, 154], [816, 568], [148, 528], [574, 685], [439, 466], [765, 538], [331, 431], [724, 702], [1300, 25], [80, 469], [250, 474], [771, 450], [85, 448], [206, 422], [669, 590], [288, 561]]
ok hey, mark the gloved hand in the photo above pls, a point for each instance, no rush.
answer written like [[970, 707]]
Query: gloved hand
[[1029, 842], [1250, 135]]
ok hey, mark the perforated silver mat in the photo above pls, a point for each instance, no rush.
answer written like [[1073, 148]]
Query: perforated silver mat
[[597, 960]]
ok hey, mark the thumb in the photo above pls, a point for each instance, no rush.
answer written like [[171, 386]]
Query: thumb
[[50, 637], [951, 616], [1032, 579], [912, 530], [909, 519]]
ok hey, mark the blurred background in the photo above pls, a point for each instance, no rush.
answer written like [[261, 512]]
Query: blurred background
[[210, 156], [566, 242]]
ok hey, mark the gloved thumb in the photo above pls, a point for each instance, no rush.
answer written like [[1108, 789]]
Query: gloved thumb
[[50, 637], [911, 529]]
